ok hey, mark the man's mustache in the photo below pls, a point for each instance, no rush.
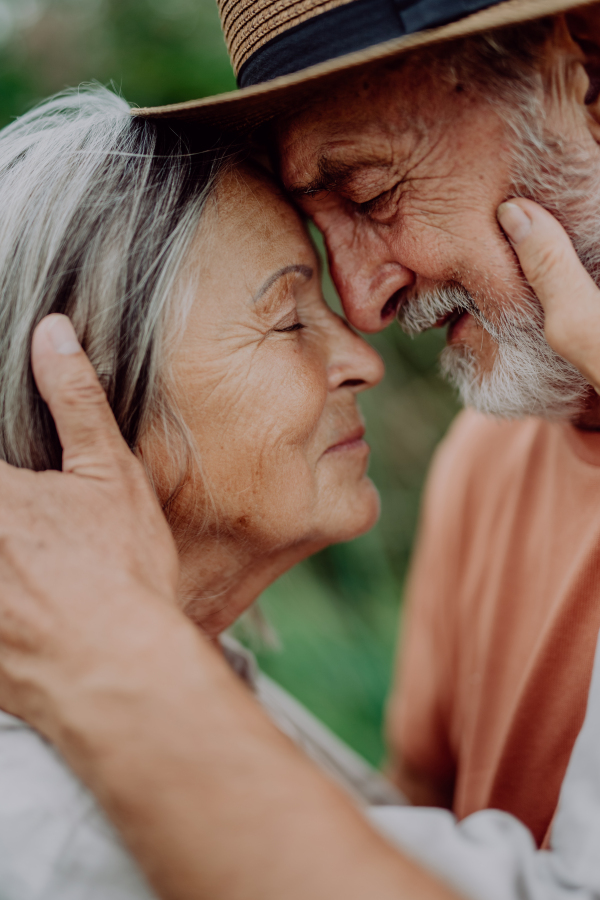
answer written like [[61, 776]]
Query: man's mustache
[[424, 309]]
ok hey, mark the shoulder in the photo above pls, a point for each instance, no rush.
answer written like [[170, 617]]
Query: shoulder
[[480, 450], [480, 441], [54, 840], [476, 470]]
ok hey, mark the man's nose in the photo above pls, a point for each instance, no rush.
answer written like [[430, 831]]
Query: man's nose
[[367, 277]]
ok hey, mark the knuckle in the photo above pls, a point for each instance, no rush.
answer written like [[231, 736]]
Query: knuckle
[[81, 388], [542, 262]]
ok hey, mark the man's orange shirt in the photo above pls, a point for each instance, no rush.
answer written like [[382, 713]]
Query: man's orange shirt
[[503, 614]]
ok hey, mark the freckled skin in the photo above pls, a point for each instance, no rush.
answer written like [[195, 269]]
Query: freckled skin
[[441, 154], [263, 406]]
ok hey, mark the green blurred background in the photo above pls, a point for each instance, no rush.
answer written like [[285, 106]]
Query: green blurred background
[[337, 614]]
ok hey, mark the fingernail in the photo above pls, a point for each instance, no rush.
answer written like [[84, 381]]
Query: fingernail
[[516, 223], [62, 336]]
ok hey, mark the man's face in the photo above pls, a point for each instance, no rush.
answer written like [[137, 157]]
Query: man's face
[[405, 204], [403, 177]]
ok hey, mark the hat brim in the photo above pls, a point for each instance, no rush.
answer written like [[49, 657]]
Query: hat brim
[[245, 109]]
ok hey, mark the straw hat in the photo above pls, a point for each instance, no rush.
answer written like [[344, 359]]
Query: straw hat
[[286, 51]]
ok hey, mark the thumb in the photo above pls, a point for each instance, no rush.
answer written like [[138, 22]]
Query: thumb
[[88, 432], [568, 295]]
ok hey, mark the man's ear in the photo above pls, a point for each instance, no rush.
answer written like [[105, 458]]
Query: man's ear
[[584, 27]]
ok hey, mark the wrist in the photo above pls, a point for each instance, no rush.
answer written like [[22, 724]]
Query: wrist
[[94, 696]]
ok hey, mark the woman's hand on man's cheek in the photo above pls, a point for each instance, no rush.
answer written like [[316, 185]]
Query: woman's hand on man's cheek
[[569, 296]]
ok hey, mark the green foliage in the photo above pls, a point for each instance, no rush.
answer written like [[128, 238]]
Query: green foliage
[[152, 51], [166, 51], [337, 613]]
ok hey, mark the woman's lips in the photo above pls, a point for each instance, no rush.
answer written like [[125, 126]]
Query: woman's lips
[[352, 441]]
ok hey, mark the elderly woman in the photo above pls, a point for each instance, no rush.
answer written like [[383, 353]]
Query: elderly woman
[[195, 291]]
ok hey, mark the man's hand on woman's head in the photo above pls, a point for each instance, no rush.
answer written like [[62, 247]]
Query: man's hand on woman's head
[[95, 654], [569, 296], [89, 544]]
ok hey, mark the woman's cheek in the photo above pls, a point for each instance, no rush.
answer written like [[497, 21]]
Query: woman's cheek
[[272, 412], [298, 393]]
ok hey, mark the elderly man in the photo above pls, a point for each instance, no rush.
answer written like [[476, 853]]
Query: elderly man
[[403, 177], [403, 172], [402, 169], [401, 163]]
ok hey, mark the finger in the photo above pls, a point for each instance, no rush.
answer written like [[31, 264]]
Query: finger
[[569, 296], [88, 432]]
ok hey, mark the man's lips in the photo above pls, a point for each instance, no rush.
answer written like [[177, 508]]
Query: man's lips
[[352, 441], [450, 318], [454, 320]]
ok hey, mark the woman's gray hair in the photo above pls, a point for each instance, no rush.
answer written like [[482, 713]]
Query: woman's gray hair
[[98, 210]]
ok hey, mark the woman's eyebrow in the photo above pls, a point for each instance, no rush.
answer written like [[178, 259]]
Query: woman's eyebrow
[[307, 271]]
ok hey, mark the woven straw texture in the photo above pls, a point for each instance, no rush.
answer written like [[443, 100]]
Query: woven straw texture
[[249, 24]]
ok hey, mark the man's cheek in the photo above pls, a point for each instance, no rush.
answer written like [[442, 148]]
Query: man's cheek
[[450, 221]]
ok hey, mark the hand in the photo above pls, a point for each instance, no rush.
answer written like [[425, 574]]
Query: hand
[[85, 546], [95, 654], [569, 296]]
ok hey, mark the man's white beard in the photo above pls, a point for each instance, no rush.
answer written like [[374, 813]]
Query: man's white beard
[[527, 377]]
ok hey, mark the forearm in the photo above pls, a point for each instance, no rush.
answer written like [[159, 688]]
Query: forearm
[[211, 799]]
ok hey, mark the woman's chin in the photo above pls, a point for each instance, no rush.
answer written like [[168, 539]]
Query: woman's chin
[[372, 507], [356, 513]]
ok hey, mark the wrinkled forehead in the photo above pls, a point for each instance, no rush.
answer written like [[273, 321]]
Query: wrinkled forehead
[[366, 119]]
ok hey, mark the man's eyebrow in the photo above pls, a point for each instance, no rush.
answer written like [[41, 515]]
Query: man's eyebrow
[[306, 271], [333, 176]]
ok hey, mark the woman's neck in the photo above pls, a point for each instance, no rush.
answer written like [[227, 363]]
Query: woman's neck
[[218, 581]]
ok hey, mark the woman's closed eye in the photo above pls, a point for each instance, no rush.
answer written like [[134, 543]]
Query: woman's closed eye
[[289, 323], [295, 327], [269, 302]]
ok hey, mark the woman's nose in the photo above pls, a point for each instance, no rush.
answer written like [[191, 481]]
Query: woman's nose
[[353, 363]]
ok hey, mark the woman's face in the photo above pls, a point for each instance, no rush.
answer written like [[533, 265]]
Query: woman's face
[[266, 379]]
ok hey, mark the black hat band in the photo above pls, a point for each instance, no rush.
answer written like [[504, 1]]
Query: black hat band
[[348, 28]]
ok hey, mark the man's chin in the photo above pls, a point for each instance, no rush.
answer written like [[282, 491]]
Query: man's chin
[[513, 382], [507, 369]]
